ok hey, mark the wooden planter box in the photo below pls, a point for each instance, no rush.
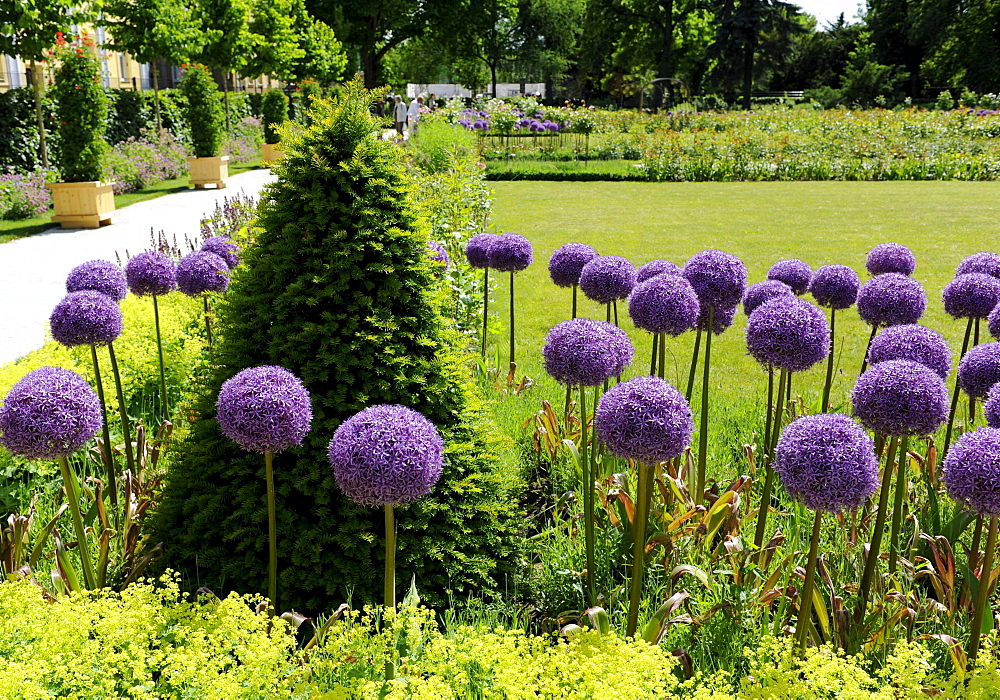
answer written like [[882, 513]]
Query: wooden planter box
[[208, 171], [272, 152], [82, 204]]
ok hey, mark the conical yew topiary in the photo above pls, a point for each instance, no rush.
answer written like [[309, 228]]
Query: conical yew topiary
[[339, 290]]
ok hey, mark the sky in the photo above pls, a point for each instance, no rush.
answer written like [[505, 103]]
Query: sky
[[827, 11]]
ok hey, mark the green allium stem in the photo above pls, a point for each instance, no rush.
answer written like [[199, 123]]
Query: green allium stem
[[699, 493], [805, 607], [164, 400], [272, 535], [984, 590], [972, 399], [652, 364], [574, 302], [69, 480], [871, 561], [641, 515], [694, 366], [486, 305], [897, 506], [956, 395], [663, 354], [208, 321], [587, 486], [614, 304], [829, 361], [390, 578], [864, 361], [109, 460], [765, 498], [769, 414], [122, 410], [977, 541], [512, 365]]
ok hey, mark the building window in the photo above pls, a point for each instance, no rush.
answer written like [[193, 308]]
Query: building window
[[123, 67]]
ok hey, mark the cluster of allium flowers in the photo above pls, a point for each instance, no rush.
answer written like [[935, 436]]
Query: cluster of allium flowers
[[793, 272], [993, 322], [722, 319], [644, 419], [972, 471], [477, 250], [607, 278], [510, 253], [664, 304], [151, 274], [567, 263], [86, 318], [719, 279], [891, 257], [983, 263], [760, 292], [992, 407], [657, 267], [891, 299], [915, 343], [980, 369], [201, 272], [971, 295], [827, 461], [100, 276], [224, 247], [50, 413], [788, 333], [835, 286], [586, 352], [899, 397], [264, 409], [386, 455], [438, 254]]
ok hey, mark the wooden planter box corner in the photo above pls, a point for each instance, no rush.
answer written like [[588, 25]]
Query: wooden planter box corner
[[272, 152], [208, 171], [82, 204]]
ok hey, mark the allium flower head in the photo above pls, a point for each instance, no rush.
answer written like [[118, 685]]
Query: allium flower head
[[827, 461], [586, 352], [984, 263], [438, 254], [915, 343], [264, 409], [722, 319], [993, 322], [980, 369], [891, 257], [50, 413], [151, 273], [86, 318], [657, 267], [607, 278], [835, 286], [992, 407], [477, 250], [201, 272], [891, 299], [972, 471], [510, 253], [788, 333], [971, 295], [664, 304], [386, 455], [644, 419], [899, 397], [100, 276], [793, 272], [224, 247], [760, 292], [567, 262], [719, 279]]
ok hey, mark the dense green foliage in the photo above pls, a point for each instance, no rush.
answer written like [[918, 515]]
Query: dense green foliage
[[82, 112], [273, 113], [204, 113]]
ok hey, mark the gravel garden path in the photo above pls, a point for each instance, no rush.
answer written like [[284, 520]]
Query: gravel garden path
[[33, 270]]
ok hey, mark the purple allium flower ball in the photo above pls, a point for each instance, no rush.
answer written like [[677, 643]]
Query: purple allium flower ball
[[891, 257], [793, 272], [891, 299], [151, 274], [607, 278], [438, 254], [586, 352], [100, 276], [788, 333], [657, 267], [386, 455], [980, 369], [827, 461], [50, 413], [510, 253], [983, 263], [567, 263], [760, 292], [971, 295], [915, 343], [722, 319], [201, 272], [477, 250], [644, 419], [993, 322], [264, 409], [86, 318], [899, 397], [664, 304], [992, 407], [719, 279], [224, 247], [972, 471], [835, 286]]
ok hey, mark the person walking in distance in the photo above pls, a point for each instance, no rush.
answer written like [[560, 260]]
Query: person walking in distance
[[413, 114], [399, 115]]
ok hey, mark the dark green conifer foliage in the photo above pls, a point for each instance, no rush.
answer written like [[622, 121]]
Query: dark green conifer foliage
[[339, 290]]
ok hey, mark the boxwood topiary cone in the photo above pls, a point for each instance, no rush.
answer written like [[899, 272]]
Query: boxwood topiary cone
[[339, 290]]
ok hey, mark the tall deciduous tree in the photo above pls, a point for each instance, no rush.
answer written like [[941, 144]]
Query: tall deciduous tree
[[323, 57]]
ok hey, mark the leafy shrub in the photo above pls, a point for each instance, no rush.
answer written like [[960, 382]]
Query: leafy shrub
[[24, 196], [436, 143], [944, 101], [243, 144], [135, 164], [82, 111], [273, 111], [19, 147], [204, 113], [131, 114]]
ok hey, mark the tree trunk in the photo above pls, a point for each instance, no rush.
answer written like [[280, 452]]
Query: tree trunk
[[369, 65], [225, 98], [666, 50], [748, 57], [156, 96], [493, 77], [37, 80]]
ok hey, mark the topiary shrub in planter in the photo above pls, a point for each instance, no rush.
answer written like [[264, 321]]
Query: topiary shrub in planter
[[204, 114], [339, 290], [273, 113], [81, 200]]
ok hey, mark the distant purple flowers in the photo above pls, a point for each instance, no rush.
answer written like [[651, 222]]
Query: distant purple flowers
[[510, 253], [788, 333], [891, 257], [386, 455], [607, 278], [983, 263], [567, 262], [719, 279], [438, 254], [915, 343], [201, 272], [644, 419], [51, 412], [835, 286], [264, 409], [972, 471], [586, 352], [224, 247], [100, 276], [477, 250], [899, 397], [971, 295], [151, 274], [760, 292], [657, 267], [891, 299], [86, 318], [664, 304], [793, 272], [980, 369]]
